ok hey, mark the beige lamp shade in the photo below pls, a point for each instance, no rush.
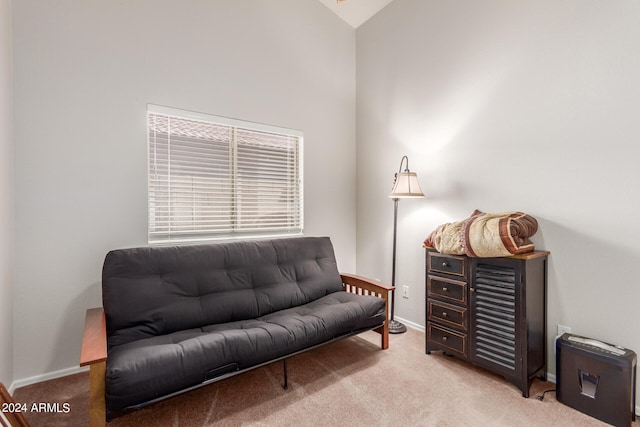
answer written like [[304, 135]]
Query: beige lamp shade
[[406, 186]]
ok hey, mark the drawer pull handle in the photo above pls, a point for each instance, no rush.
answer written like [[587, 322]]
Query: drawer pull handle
[[444, 314], [444, 338], [444, 264], [444, 289]]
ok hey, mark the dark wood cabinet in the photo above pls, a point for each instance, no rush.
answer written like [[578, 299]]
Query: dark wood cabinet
[[489, 311]]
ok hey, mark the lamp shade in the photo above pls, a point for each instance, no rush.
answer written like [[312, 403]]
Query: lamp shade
[[406, 186]]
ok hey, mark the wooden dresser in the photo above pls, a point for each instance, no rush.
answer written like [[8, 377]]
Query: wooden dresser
[[489, 311]]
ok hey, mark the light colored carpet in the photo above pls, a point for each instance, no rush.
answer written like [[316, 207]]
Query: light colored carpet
[[351, 382]]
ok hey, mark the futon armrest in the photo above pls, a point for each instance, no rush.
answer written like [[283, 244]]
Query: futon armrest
[[94, 338], [363, 286], [364, 283]]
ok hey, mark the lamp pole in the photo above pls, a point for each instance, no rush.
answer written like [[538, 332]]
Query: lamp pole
[[395, 327]]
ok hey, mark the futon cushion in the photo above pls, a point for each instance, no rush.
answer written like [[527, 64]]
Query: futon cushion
[[142, 370], [155, 291]]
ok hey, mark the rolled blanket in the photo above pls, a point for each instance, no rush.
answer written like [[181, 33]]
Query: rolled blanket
[[447, 238], [486, 235]]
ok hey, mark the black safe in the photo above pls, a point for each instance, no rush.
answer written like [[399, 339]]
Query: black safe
[[596, 378]]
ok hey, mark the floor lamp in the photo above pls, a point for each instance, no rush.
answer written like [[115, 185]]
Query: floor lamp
[[405, 186]]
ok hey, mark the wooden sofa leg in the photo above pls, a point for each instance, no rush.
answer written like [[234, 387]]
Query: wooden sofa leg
[[385, 336], [384, 333], [97, 406]]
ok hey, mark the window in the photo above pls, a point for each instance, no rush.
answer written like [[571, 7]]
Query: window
[[215, 178]]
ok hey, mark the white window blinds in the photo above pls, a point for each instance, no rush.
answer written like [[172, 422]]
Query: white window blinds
[[213, 178]]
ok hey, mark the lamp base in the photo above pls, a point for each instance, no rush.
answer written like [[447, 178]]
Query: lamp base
[[396, 327]]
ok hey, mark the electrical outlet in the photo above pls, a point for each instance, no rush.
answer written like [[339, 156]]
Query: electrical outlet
[[405, 292], [563, 329]]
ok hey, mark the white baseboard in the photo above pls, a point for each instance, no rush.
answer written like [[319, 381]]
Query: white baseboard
[[44, 377], [410, 324]]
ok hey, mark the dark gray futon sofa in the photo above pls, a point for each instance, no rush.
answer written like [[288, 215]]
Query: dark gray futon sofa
[[176, 318]]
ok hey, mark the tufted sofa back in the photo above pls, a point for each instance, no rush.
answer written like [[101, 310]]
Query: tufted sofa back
[[154, 291]]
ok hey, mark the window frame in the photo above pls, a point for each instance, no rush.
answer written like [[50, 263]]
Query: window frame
[[292, 173]]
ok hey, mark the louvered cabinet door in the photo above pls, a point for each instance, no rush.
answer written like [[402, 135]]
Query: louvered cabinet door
[[495, 300], [508, 317]]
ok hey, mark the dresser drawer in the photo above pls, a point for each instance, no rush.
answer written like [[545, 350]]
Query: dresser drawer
[[451, 290], [448, 314], [447, 339], [449, 264]]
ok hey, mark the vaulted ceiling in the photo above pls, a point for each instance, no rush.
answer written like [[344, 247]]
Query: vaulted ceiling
[[355, 12]]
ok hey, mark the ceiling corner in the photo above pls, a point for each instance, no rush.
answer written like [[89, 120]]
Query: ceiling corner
[[355, 12]]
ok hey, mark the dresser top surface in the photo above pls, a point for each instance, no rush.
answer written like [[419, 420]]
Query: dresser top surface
[[529, 255]]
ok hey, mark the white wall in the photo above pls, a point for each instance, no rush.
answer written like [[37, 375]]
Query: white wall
[[529, 105], [84, 72], [6, 199]]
